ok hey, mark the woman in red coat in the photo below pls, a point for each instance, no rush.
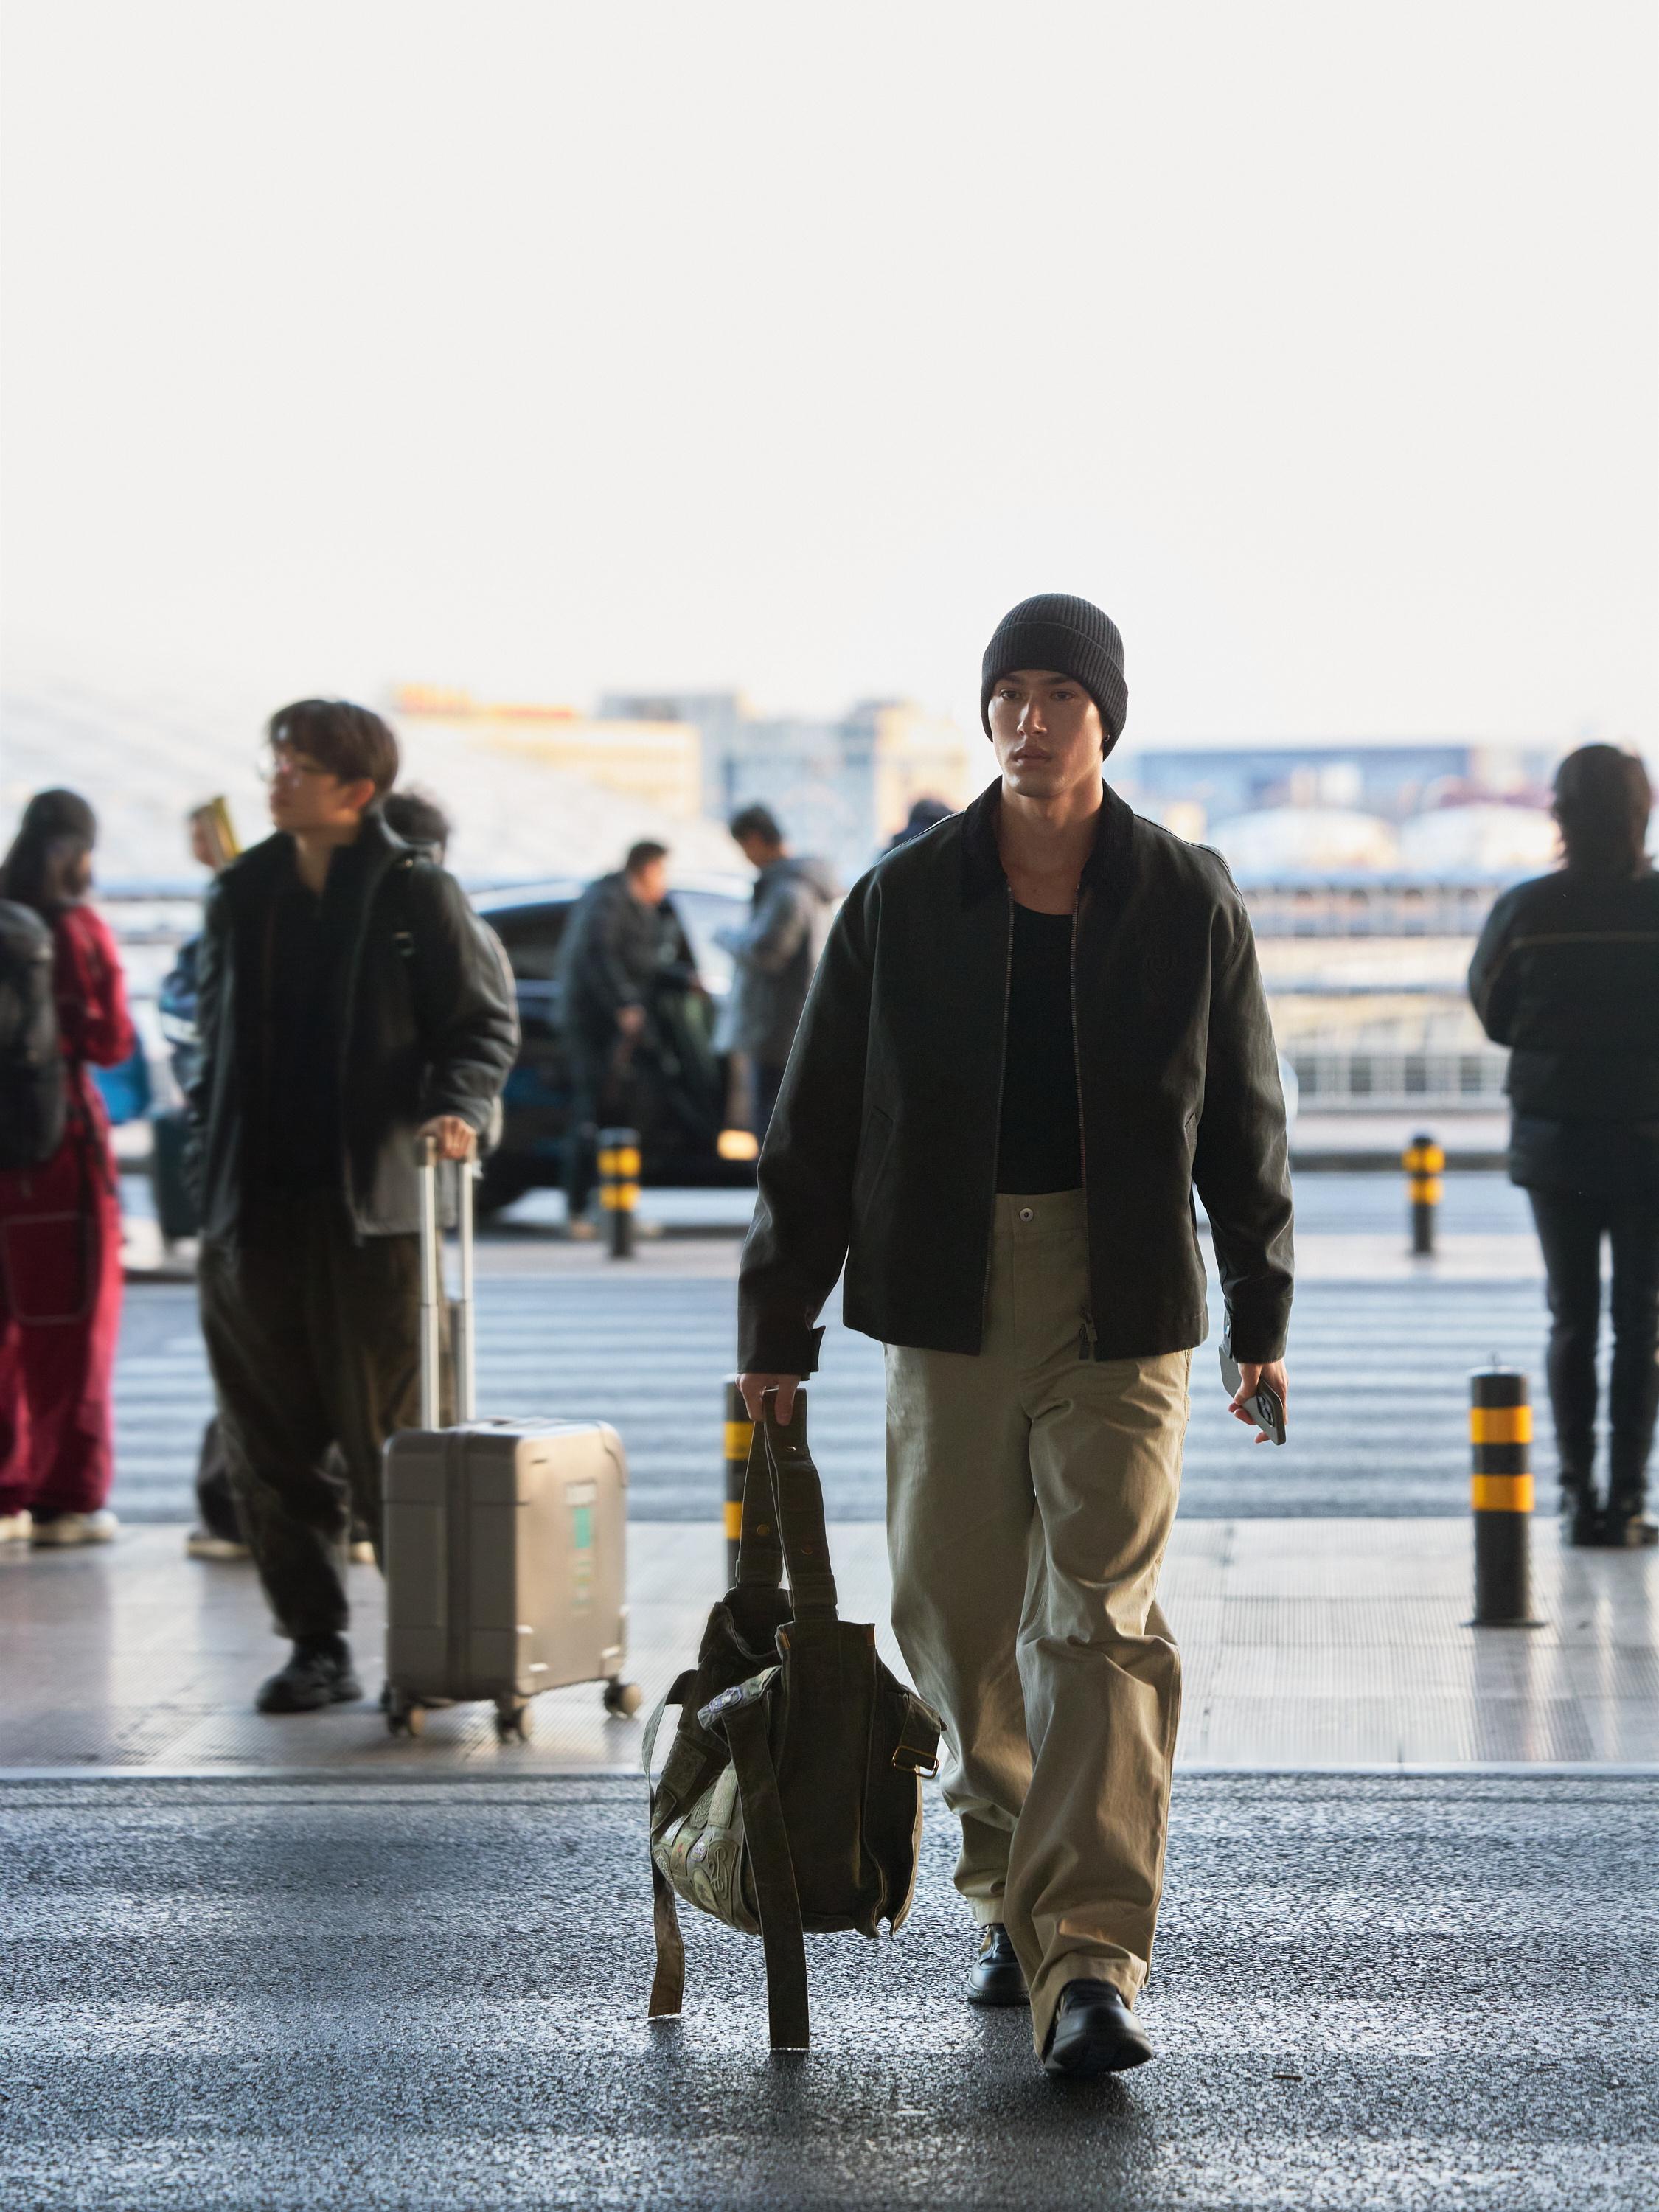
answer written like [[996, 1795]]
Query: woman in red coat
[[60, 1223]]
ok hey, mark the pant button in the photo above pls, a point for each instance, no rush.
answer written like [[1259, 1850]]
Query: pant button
[[1026, 1214]]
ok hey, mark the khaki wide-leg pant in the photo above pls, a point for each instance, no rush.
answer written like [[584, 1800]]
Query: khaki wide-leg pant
[[1030, 1490]]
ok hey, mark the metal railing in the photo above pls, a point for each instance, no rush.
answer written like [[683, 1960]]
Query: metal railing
[[1385, 1081]]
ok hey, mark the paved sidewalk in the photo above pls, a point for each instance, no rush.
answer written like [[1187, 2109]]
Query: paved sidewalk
[[1306, 1643]]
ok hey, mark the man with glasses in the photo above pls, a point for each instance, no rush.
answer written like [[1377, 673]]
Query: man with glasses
[[350, 1006]]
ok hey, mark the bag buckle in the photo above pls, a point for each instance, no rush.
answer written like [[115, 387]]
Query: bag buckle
[[908, 1760]]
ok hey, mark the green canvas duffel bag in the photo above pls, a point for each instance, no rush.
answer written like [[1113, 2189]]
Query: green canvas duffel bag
[[791, 1799]]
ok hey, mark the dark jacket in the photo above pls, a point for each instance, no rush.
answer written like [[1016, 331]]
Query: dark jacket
[[883, 1150], [428, 1025], [776, 955], [609, 960], [1567, 974]]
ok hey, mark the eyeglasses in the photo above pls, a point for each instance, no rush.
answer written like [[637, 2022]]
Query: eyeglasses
[[287, 768]]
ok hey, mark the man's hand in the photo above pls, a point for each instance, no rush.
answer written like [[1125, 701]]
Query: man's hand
[[630, 1020], [453, 1137], [1250, 1379], [755, 1386]]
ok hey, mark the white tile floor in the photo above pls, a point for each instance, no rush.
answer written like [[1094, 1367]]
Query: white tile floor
[[1306, 1643]]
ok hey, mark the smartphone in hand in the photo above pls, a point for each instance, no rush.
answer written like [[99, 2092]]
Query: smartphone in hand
[[1264, 1408]]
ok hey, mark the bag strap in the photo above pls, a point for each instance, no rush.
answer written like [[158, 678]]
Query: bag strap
[[760, 1557], [799, 1499], [668, 1983], [782, 1934]]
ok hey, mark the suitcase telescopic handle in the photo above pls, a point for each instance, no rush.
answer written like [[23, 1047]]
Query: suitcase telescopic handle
[[432, 1295]]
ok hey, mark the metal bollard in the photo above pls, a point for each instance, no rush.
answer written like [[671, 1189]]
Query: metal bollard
[[1424, 1163], [619, 1186], [739, 1434], [1500, 1495]]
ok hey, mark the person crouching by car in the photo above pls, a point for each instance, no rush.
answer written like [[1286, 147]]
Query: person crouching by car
[[350, 1006], [1567, 974], [60, 1213]]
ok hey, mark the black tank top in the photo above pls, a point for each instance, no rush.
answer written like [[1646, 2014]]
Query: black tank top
[[1041, 1145]]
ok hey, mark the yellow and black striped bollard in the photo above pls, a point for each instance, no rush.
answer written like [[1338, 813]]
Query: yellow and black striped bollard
[[739, 1434], [1424, 1163], [619, 1186], [1500, 1494]]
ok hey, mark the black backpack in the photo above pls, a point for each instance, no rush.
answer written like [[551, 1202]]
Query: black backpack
[[33, 1095], [791, 1798]]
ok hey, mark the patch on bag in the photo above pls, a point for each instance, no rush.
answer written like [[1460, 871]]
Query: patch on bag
[[741, 1693]]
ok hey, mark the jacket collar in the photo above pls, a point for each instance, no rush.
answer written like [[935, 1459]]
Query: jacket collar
[[1107, 869], [253, 872]]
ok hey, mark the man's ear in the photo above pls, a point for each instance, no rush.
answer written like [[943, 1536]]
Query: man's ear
[[361, 794]]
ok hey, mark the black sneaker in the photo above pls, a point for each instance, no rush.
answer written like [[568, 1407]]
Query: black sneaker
[[1628, 1529], [996, 1976], [1094, 2032], [318, 1674]]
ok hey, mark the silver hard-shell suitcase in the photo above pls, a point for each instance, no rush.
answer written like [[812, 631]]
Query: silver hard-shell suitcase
[[505, 1542]]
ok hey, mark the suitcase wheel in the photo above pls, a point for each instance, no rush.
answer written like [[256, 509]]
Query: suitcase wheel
[[512, 1719], [403, 1718], [623, 1698]]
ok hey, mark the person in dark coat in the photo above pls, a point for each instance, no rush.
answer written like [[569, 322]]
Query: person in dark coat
[[609, 963], [349, 1007], [924, 814], [775, 955], [1034, 1032], [60, 1221], [1567, 974]]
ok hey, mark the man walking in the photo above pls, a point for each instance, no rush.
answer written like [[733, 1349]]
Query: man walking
[[349, 1006], [611, 963], [777, 953], [1035, 1030], [1567, 974]]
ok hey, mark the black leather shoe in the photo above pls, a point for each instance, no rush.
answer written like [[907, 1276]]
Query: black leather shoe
[[996, 1978], [318, 1674], [1094, 2032], [1581, 1515]]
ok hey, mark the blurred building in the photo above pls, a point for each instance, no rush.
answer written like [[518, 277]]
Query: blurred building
[[655, 760], [1208, 784], [840, 787]]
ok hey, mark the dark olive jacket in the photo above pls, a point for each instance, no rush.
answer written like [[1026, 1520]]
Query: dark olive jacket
[[1567, 974], [883, 1151], [428, 1026]]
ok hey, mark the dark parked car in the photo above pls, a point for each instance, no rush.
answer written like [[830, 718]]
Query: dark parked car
[[679, 1082]]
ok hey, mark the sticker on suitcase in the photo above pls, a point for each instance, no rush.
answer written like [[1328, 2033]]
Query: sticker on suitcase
[[581, 1497]]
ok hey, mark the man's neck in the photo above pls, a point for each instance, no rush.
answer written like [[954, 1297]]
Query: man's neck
[[1045, 843], [313, 850]]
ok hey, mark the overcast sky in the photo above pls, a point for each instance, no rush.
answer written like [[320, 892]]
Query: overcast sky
[[545, 348]]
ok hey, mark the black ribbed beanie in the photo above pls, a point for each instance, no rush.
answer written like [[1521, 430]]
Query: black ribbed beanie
[[1055, 631]]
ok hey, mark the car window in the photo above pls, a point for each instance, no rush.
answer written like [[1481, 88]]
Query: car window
[[702, 913], [532, 935]]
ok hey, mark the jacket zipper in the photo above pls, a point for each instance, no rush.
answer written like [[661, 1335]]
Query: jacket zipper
[[1090, 1335], [349, 1008], [1002, 1083]]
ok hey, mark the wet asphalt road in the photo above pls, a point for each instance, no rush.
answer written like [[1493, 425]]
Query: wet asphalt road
[[1369, 1992]]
